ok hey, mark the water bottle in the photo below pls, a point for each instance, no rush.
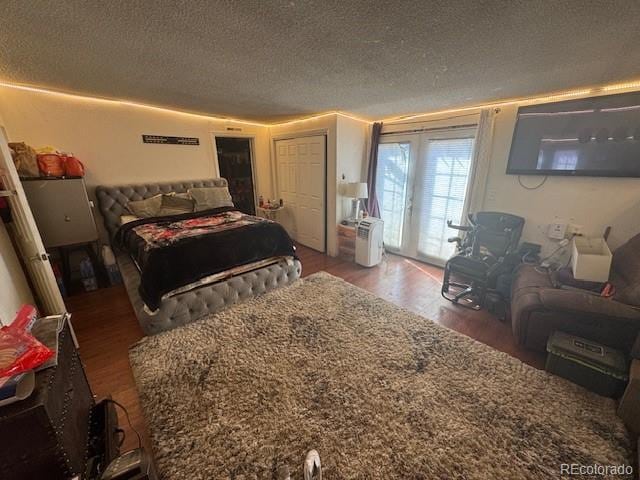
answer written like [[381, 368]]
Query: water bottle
[[110, 265], [88, 276]]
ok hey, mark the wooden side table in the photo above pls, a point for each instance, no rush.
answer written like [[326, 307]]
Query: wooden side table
[[347, 242], [269, 213]]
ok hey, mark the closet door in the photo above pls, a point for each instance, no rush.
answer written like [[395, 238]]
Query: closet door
[[301, 183]]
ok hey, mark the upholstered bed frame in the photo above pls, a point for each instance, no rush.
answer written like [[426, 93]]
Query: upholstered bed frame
[[199, 302]]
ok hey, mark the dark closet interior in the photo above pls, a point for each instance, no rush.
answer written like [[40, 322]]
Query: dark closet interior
[[234, 161]]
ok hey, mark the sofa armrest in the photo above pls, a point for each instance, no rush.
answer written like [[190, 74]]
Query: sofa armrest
[[635, 350], [629, 407], [585, 304]]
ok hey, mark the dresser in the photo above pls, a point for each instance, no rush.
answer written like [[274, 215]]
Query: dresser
[[64, 216], [62, 211], [46, 436]]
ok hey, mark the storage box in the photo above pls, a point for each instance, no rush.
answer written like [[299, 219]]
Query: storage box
[[590, 259], [596, 367]]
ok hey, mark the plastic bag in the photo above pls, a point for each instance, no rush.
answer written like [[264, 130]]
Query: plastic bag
[[25, 159], [19, 350], [51, 164], [73, 167], [25, 318]]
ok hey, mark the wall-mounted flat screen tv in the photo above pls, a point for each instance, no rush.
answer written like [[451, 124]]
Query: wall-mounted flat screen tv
[[598, 136]]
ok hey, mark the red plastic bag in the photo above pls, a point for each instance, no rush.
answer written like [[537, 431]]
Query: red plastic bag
[[25, 318], [73, 167], [51, 164], [19, 350]]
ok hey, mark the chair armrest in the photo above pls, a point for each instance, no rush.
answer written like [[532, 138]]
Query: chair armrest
[[582, 303]]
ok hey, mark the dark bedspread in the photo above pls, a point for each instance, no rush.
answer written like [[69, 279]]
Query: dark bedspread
[[177, 250]]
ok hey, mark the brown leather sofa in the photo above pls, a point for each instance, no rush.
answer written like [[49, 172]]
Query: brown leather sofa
[[538, 308]]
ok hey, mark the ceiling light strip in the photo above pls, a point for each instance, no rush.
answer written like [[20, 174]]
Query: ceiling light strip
[[128, 103], [502, 103], [629, 85]]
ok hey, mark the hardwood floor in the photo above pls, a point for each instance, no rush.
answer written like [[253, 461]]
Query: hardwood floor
[[106, 325]]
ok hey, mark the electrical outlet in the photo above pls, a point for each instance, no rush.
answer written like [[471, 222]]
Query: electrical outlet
[[574, 229], [557, 231]]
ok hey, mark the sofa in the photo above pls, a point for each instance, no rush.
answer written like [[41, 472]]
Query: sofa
[[539, 306]]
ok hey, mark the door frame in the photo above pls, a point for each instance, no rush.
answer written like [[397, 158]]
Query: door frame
[[274, 169], [252, 149], [419, 141]]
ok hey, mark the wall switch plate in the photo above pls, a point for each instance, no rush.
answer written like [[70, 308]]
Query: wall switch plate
[[557, 231]]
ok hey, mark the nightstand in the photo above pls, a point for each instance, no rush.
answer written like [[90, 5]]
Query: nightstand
[[347, 242], [269, 213]]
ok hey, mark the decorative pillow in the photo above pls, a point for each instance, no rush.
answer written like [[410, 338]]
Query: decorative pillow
[[149, 207], [128, 218], [211, 197], [175, 205]]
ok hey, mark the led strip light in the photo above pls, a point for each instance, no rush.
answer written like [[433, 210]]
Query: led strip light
[[624, 86]]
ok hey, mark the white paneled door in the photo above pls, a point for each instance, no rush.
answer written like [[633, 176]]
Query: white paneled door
[[301, 183]]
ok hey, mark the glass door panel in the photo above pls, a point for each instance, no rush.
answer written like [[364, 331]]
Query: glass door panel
[[422, 181], [392, 184], [444, 172]]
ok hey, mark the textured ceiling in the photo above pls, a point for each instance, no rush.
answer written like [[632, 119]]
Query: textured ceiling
[[271, 60]]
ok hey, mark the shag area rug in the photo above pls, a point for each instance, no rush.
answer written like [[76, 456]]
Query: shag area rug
[[379, 391]]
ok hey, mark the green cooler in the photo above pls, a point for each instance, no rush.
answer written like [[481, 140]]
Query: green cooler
[[596, 367]]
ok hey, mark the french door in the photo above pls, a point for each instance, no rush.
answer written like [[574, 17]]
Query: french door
[[423, 180]]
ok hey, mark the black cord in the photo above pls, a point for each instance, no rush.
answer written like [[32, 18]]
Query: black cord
[[126, 414], [532, 188]]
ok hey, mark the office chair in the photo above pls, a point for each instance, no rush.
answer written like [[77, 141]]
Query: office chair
[[486, 242]]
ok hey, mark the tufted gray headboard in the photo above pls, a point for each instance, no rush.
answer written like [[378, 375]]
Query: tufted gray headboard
[[112, 200]]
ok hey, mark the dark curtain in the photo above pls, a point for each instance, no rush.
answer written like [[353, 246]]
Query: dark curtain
[[372, 201]]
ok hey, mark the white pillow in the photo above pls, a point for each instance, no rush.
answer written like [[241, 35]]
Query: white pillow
[[210, 197]]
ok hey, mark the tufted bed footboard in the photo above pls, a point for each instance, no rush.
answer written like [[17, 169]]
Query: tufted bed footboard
[[199, 302]]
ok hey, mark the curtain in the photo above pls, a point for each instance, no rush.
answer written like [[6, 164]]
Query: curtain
[[372, 202], [482, 159]]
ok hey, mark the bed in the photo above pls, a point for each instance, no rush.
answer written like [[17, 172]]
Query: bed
[[194, 300]]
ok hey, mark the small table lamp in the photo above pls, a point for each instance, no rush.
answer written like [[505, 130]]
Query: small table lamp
[[356, 191]]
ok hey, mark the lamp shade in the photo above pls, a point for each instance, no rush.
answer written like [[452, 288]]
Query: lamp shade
[[356, 190]]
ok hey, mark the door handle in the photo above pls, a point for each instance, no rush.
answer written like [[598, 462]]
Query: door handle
[[43, 257]]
